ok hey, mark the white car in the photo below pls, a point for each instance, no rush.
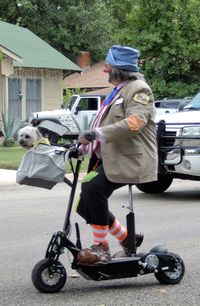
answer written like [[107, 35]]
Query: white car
[[171, 105]]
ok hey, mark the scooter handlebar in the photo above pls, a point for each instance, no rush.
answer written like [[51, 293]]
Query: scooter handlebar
[[75, 151]]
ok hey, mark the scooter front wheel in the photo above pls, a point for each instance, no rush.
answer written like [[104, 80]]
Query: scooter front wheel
[[48, 277], [172, 278]]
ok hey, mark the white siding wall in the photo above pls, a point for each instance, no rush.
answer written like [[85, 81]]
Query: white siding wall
[[52, 92], [6, 66]]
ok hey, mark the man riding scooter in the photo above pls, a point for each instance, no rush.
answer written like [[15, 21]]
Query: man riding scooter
[[122, 146]]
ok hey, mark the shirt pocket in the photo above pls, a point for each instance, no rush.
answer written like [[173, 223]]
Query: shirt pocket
[[118, 110], [132, 150]]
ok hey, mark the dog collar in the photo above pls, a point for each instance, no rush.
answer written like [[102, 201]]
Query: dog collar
[[42, 140]]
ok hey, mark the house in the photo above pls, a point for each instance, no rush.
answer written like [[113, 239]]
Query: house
[[92, 78], [31, 72]]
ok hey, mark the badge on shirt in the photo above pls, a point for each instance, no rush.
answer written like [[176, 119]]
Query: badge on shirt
[[119, 101], [141, 98]]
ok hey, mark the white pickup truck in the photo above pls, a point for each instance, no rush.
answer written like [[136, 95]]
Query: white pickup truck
[[178, 137], [68, 122]]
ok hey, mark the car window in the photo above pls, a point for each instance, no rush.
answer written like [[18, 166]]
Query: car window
[[88, 104], [194, 103], [173, 104], [170, 104]]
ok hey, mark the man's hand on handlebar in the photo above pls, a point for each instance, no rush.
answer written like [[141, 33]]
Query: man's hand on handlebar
[[87, 136], [75, 152]]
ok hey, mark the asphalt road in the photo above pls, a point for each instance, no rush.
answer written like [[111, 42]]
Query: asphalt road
[[30, 215]]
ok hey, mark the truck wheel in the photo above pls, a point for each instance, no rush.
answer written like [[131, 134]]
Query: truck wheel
[[53, 137], [159, 186]]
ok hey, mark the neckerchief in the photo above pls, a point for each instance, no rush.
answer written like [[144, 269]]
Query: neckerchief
[[94, 146], [111, 96]]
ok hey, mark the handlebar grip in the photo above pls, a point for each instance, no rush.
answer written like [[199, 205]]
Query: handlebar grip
[[89, 137], [75, 152]]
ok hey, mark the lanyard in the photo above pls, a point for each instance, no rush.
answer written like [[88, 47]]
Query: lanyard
[[111, 96]]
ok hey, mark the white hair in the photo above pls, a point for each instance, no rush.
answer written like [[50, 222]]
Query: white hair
[[28, 135]]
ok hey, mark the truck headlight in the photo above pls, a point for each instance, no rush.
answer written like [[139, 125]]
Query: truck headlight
[[190, 131], [30, 118], [193, 132]]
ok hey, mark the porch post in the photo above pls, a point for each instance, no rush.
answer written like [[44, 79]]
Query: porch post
[[5, 106]]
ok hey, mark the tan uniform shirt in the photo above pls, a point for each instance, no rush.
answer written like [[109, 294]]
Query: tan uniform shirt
[[130, 156]]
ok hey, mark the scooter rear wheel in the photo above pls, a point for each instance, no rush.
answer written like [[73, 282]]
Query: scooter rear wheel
[[172, 278], [45, 281]]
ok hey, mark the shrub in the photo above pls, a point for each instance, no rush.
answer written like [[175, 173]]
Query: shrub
[[9, 127]]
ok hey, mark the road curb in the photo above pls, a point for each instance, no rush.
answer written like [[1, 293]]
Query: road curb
[[8, 177]]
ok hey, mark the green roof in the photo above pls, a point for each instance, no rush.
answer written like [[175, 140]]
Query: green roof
[[34, 51]]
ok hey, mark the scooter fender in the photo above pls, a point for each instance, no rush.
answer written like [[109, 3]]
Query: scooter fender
[[154, 262]]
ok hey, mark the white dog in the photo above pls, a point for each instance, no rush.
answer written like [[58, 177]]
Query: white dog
[[28, 136]]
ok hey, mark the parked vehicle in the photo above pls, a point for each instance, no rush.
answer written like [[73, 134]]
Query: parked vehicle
[[171, 105], [68, 122], [178, 136]]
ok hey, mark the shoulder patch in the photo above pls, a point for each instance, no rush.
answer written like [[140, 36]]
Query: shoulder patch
[[141, 98]]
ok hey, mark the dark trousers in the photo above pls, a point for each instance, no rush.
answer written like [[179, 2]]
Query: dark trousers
[[93, 204]]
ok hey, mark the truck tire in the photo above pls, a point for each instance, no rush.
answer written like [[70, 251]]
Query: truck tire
[[159, 186], [53, 137]]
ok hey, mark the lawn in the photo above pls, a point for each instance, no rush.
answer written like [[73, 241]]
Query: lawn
[[10, 158]]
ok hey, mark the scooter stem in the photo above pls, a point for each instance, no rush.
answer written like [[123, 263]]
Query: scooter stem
[[71, 198], [130, 219], [130, 192]]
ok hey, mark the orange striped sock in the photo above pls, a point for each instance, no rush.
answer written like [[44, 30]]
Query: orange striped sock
[[118, 230], [100, 233]]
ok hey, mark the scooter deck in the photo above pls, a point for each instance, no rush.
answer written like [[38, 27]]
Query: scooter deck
[[116, 268]]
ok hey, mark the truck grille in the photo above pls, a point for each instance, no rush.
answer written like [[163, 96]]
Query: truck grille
[[169, 138]]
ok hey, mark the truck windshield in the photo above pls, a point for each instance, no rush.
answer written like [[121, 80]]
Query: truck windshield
[[194, 103], [71, 101]]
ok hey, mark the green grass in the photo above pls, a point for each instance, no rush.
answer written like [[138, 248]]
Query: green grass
[[10, 158]]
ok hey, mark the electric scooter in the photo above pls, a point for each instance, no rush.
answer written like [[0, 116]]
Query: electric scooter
[[49, 275]]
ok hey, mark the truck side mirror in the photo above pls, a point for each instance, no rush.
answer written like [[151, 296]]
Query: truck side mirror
[[78, 108]]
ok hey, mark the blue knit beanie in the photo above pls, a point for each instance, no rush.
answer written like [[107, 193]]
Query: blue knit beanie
[[124, 58]]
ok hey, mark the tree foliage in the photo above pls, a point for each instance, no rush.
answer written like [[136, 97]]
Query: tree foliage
[[167, 33], [70, 26], [1, 56]]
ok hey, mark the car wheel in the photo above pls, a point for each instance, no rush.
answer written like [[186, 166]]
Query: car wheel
[[159, 186]]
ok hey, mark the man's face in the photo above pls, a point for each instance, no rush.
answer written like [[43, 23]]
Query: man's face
[[111, 77], [107, 68]]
